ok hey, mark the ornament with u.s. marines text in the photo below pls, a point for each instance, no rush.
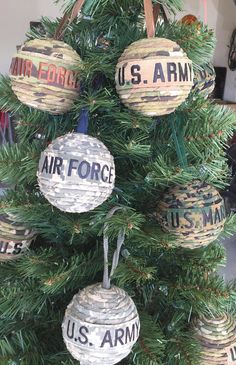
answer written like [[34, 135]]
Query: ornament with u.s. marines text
[[76, 173], [43, 75], [154, 76], [100, 325], [194, 213]]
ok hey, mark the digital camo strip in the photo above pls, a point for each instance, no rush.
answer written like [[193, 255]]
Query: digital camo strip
[[100, 325], [76, 173]]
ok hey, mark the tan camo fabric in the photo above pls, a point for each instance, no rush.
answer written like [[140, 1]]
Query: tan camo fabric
[[100, 325], [85, 177], [204, 80], [146, 95], [216, 336], [15, 238], [43, 77], [194, 213]]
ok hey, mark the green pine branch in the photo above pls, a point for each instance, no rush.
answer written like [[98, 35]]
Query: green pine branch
[[198, 42], [151, 344], [18, 163]]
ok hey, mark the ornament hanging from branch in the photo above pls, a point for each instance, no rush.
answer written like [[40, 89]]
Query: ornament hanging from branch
[[43, 77], [15, 238], [76, 173], [101, 324], [44, 72], [194, 213], [153, 76], [217, 337]]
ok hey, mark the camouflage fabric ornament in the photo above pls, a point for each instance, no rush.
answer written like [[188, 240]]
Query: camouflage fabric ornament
[[43, 77], [204, 80], [217, 337], [100, 325], [194, 213], [76, 173], [15, 238], [154, 76]]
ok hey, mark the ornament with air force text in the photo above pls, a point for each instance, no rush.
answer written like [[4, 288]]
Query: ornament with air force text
[[43, 75], [76, 173]]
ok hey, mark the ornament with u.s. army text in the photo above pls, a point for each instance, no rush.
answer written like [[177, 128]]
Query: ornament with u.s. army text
[[154, 76], [15, 238], [76, 173], [194, 213], [217, 337], [101, 325], [43, 75]]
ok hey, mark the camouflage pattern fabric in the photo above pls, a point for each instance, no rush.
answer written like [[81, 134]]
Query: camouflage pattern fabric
[[15, 238], [154, 76], [43, 75], [217, 337], [76, 173], [204, 80], [194, 213], [100, 325]]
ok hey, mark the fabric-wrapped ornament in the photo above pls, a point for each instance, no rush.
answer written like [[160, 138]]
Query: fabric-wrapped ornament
[[15, 238], [154, 76], [204, 80], [43, 75], [217, 337], [101, 324], [194, 213], [76, 173]]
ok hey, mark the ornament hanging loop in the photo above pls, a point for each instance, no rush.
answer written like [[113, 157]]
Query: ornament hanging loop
[[83, 121], [120, 241], [176, 125], [150, 18], [67, 19]]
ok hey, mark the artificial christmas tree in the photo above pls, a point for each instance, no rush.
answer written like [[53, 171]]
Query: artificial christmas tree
[[171, 286]]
